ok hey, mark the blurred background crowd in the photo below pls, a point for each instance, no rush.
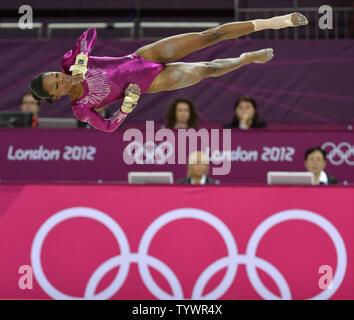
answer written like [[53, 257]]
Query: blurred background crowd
[[307, 86]]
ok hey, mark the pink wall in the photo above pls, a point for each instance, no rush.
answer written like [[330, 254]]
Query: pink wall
[[199, 242]]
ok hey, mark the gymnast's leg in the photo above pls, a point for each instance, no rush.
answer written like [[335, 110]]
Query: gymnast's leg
[[179, 75], [174, 48]]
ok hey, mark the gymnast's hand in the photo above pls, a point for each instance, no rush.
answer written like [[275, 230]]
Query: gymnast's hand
[[133, 88], [132, 95]]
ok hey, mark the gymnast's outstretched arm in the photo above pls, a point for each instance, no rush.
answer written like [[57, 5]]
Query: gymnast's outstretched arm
[[132, 94]]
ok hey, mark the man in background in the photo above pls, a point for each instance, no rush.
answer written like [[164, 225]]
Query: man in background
[[197, 170], [315, 161]]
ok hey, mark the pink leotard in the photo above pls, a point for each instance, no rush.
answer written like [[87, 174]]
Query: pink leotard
[[105, 81]]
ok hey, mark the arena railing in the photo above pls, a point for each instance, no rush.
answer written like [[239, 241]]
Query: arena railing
[[342, 24], [175, 25], [98, 25], [15, 26], [342, 20]]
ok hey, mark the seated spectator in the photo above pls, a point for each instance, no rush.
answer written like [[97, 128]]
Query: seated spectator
[[198, 168], [246, 115], [315, 161], [30, 104], [182, 114]]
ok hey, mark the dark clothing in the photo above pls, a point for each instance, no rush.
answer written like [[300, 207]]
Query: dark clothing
[[189, 181], [258, 123], [331, 179]]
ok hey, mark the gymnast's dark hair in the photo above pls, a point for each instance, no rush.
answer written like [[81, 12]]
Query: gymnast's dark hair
[[37, 89]]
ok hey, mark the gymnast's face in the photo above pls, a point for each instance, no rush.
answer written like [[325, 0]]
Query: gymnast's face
[[57, 84]]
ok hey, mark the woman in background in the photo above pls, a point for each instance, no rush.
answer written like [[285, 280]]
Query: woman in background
[[246, 115], [182, 114]]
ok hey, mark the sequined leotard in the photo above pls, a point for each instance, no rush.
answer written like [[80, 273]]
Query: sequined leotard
[[105, 81]]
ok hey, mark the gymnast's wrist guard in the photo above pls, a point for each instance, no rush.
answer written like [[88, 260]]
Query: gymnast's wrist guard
[[80, 66], [129, 103]]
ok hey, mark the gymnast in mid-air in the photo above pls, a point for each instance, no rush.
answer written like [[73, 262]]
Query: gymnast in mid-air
[[95, 82]]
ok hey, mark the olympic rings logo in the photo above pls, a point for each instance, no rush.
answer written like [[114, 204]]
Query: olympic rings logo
[[144, 260], [153, 153], [337, 155]]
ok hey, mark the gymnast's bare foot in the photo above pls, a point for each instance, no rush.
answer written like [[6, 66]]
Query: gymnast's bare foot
[[260, 56]]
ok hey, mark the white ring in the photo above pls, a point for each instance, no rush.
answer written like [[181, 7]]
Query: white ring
[[297, 214], [66, 214], [114, 262], [220, 264], [143, 260], [190, 213]]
